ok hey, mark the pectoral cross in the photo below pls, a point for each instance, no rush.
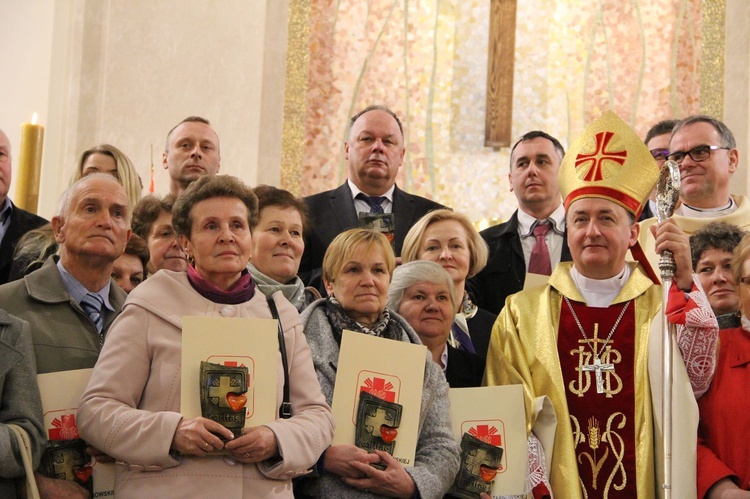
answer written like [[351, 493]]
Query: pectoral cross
[[598, 367]]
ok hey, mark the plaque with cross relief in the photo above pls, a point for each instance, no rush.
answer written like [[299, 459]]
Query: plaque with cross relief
[[232, 342], [389, 370], [61, 392]]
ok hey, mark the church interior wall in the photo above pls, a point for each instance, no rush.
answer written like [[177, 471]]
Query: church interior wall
[[125, 72]]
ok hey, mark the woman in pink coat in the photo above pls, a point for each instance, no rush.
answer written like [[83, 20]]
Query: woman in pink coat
[[131, 408]]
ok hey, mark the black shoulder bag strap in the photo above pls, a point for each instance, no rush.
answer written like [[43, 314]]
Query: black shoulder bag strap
[[285, 412]]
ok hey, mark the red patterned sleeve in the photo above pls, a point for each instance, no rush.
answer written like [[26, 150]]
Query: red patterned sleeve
[[697, 333]]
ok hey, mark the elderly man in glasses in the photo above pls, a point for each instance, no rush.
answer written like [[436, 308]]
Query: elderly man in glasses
[[706, 151]]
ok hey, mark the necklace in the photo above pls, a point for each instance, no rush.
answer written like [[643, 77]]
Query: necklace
[[597, 366]]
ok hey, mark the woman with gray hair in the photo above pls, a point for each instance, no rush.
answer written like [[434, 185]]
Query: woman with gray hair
[[422, 292]]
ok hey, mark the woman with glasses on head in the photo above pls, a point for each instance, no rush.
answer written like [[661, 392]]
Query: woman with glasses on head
[[723, 457]]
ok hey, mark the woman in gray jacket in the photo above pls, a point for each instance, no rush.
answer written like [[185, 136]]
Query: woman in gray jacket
[[19, 401], [357, 270]]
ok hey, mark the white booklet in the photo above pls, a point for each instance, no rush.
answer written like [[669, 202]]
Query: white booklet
[[390, 370], [497, 416], [61, 393], [238, 341]]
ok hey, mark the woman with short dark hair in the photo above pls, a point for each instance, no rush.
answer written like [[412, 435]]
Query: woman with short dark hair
[[279, 244], [131, 408]]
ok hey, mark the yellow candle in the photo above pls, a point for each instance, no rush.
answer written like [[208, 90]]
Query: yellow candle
[[29, 166]]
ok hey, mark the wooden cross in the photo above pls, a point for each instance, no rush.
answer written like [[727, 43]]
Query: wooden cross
[[500, 68]]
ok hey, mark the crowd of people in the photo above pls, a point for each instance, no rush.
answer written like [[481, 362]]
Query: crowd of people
[[565, 298]]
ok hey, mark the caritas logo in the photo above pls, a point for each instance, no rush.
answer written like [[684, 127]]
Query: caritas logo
[[487, 434], [64, 428], [379, 387]]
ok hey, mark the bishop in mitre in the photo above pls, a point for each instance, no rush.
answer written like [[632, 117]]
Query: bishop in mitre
[[590, 340]]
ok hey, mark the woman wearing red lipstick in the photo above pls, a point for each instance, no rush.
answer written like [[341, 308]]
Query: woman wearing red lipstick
[[723, 457], [131, 408], [450, 239], [711, 249]]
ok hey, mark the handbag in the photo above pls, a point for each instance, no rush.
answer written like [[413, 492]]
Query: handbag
[[24, 444], [285, 411]]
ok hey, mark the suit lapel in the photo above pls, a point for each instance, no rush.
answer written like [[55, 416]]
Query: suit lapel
[[403, 209], [342, 206], [6, 246]]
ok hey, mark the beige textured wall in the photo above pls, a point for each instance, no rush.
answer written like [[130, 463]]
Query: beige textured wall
[[737, 87], [26, 47], [125, 72]]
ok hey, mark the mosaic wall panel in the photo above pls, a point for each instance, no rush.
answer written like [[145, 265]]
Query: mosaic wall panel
[[427, 60]]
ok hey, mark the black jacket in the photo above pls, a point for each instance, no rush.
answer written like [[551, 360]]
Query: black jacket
[[21, 221], [465, 370], [332, 212]]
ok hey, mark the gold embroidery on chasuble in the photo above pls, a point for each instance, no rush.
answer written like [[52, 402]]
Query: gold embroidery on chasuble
[[602, 418]]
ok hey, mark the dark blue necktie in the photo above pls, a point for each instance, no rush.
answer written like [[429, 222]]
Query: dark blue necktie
[[375, 202]]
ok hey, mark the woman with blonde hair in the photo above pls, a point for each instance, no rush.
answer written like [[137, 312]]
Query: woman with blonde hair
[[357, 270], [449, 238], [106, 158]]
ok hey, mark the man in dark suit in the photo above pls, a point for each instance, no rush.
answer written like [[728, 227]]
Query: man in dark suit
[[374, 152], [534, 164], [14, 222]]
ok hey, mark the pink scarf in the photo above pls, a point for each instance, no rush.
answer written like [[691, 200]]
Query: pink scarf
[[240, 292]]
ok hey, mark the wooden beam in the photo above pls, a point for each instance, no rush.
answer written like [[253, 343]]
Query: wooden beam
[[500, 67]]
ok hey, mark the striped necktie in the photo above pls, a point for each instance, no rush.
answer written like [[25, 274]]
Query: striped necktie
[[92, 304]]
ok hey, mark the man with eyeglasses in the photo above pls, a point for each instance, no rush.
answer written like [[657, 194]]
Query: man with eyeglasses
[[657, 141], [705, 149]]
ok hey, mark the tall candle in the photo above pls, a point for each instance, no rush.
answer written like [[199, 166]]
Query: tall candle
[[29, 166]]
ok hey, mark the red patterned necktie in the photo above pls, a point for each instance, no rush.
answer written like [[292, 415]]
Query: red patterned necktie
[[539, 262]]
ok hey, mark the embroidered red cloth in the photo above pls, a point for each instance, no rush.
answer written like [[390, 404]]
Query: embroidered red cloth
[[603, 423]]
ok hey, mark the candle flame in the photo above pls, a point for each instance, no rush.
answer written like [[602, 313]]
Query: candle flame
[[33, 119]]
